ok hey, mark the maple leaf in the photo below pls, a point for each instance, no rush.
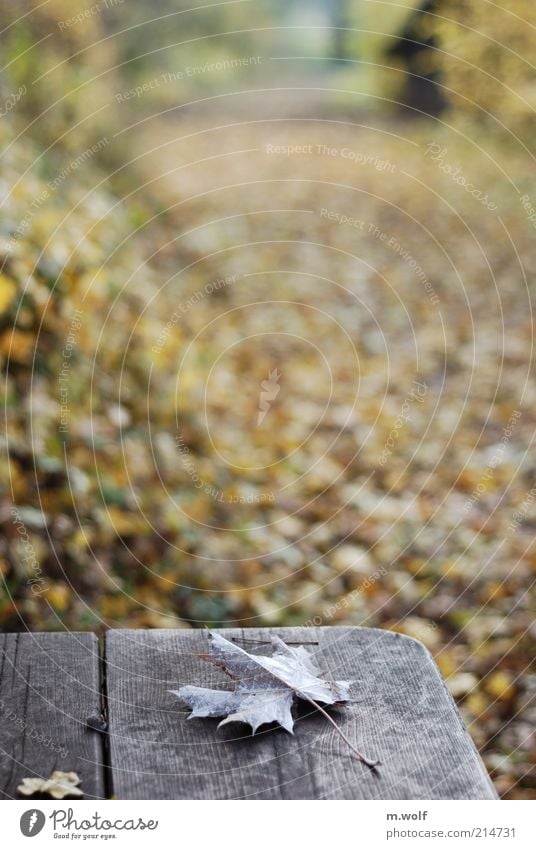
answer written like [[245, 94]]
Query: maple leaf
[[267, 687]]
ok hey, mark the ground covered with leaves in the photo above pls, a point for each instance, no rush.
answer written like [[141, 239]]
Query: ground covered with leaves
[[292, 387]]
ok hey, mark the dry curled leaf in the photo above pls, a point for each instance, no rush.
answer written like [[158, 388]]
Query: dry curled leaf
[[267, 687], [59, 785]]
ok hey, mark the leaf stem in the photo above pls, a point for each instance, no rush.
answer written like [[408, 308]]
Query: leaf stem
[[367, 761], [267, 642]]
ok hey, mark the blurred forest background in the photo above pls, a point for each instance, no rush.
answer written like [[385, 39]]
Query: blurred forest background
[[319, 211]]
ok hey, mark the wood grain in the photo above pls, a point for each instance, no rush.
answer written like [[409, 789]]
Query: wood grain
[[402, 714], [49, 686]]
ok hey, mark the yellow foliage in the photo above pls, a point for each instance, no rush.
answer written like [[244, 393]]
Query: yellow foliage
[[486, 59], [114, 606], [500, 686], [476, 704], [17, 345], [8, 290]]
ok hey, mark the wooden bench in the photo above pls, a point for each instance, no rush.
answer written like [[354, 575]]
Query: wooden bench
[[139, 743]]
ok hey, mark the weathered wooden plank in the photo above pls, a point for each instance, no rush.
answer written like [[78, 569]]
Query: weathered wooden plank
[[49, 686], [402, 714]]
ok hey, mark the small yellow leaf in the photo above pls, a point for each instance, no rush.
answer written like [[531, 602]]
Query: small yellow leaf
[[18, 346], [8, 290], [59, 785], [500, 686], [58, 595]]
